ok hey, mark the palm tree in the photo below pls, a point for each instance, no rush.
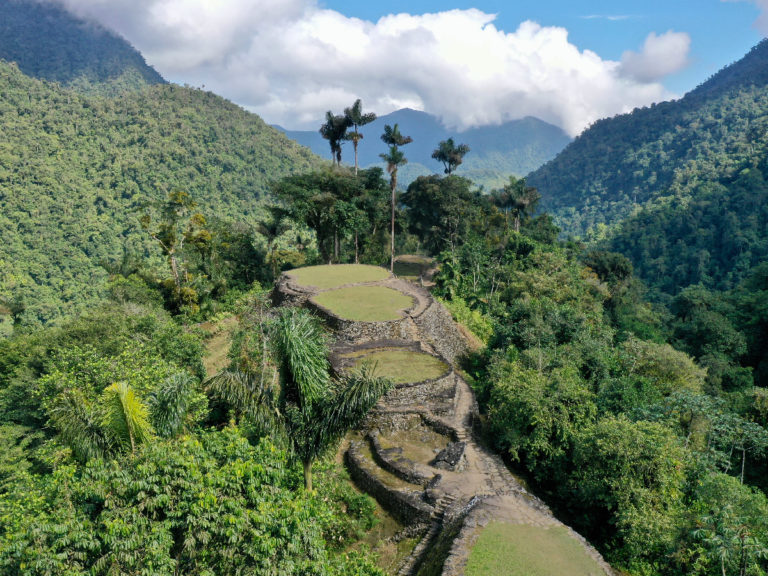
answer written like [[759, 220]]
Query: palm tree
[[78, 424], [394, 159], [296, 395], [450, 154], [334, 130], [357, 119], [125, 418], [271, 230], [169, 404]]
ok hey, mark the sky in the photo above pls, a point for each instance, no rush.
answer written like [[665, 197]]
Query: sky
[[472, 64]]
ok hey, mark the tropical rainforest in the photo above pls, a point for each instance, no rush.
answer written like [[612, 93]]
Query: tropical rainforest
[[621, 341]]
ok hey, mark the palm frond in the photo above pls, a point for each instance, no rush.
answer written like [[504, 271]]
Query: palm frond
[[169, 404], [249, 394], [125, 417], [303, 354], [78, 426], [360, 390]]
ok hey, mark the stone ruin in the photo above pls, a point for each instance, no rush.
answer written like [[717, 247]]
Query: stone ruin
[[417, 452]]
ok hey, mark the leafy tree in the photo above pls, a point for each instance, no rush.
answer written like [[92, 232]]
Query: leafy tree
[[450, 154], [517, 198], [394, 159], [630, 475], [175, 227], [357, 119], [443, 211]]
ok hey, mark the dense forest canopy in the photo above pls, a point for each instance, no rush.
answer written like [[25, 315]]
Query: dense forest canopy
[[77, 171], [664, 151], [49, 43]]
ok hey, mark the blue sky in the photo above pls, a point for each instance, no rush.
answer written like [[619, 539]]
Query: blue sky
[[568, 63]]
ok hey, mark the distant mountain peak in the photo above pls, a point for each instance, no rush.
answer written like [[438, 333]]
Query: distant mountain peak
[[48, 42], [496, 152]]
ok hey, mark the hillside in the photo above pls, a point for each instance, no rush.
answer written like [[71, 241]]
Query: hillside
[[667, 150], [515, 147], [715, 238], [48, 42], [75, 171]]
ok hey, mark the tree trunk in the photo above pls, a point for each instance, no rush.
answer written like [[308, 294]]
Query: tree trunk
[[336, 245], [517, 223], [393, 183], [354, 143], [175, 271], [743, 461], [307, 474], [357, 260]]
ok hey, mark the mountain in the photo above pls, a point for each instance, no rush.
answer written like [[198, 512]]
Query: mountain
[[714, 237], [515, 147], [659, 154], [75, 171], [47, 42]]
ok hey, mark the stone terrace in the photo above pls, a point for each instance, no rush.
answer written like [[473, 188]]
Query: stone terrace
[[417, 453]]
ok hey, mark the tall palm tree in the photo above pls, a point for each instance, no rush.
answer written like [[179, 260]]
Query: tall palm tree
[[394, 159], [357, 119], [450, 155], [334, 130], [308, 408]]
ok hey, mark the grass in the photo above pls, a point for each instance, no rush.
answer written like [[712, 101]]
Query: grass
[[524, 550], [411, 266], [405, 366], [325, 277], [365, 303]]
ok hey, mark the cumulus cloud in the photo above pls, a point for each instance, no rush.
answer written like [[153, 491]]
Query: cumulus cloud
[[291, 60], [661, 56]]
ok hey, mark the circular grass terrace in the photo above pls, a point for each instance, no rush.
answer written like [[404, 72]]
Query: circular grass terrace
[[333, 276], [404, 366], [365, 303]]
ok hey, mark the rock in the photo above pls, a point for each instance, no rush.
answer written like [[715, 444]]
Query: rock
[[451, 457]]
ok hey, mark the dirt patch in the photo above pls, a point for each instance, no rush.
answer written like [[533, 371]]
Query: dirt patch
[[219, 339]]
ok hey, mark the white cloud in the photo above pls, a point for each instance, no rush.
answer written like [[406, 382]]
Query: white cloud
[[661, 56], [291, 60]]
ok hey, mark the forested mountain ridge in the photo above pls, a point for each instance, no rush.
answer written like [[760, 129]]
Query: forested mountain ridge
[[620, 164], [514, 147], [49, 43], [76, 171]]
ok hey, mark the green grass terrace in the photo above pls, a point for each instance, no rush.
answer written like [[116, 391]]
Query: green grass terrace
[[524, 550], [365, 303], [334, 276], [403, 366]]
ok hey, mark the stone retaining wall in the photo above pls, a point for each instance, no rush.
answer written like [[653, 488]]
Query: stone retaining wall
[[407, 507], [400, 466], [423, 393], [437, 327]]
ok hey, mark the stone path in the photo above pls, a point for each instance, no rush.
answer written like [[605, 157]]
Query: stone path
[[417, 452]]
